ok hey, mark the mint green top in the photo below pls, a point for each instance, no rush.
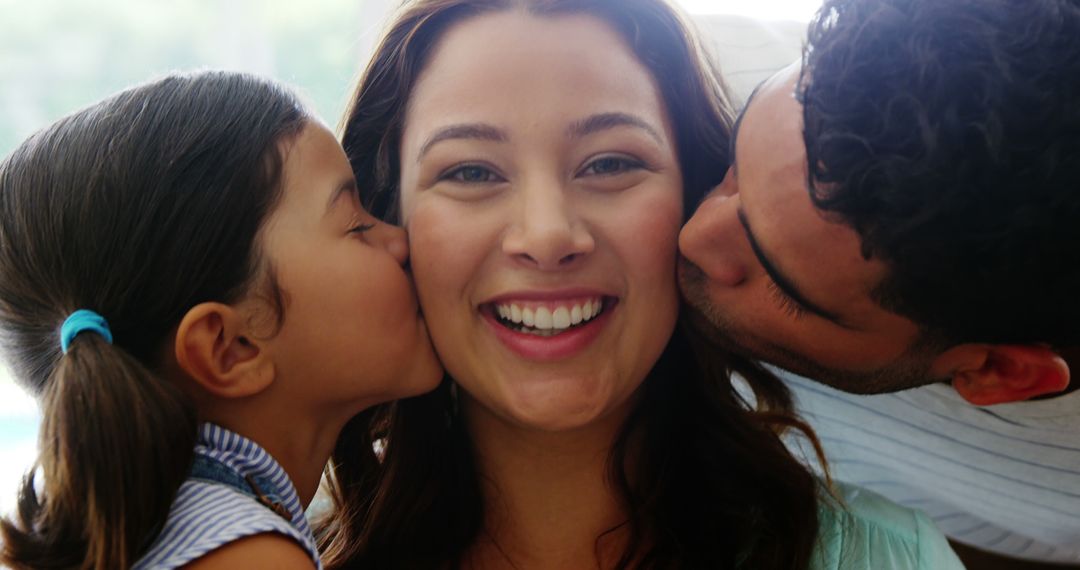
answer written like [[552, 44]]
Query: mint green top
[[869, 532]]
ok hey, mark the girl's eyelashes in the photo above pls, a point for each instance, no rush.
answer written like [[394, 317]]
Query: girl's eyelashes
[[361, 228], [788, 305]]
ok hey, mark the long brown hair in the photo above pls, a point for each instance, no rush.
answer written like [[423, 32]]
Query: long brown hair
[[712, 485], [138, 208]]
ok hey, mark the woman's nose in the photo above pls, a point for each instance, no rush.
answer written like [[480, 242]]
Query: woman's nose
[[547, 230]]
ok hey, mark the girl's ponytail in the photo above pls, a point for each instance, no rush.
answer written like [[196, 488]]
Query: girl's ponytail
[[116, 443]]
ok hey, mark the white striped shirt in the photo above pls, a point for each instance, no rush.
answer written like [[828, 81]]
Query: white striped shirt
[[207, 515], [1003, 478]]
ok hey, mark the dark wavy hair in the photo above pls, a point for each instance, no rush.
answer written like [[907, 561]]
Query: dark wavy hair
[[947, 134], [138, 208], [714, 486]]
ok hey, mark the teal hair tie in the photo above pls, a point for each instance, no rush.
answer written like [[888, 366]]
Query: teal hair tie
[[82, 321]]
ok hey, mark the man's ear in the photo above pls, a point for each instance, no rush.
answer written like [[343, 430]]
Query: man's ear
[[987, 374], [215, 348]]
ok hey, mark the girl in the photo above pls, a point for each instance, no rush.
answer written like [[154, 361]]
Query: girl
[[189, 285]]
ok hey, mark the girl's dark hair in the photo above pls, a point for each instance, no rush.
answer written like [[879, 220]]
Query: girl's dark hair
[[138, 208], [714, 487]]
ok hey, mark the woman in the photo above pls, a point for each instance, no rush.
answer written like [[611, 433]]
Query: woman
[[542, 155]]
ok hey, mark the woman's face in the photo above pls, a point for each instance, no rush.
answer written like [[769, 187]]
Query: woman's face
[[542, 193], [351, 334]]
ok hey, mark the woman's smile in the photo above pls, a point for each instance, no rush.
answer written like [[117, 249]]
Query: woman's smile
[[550, 325]]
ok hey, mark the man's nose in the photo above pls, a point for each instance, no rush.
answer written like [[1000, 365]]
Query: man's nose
[[713, 238]]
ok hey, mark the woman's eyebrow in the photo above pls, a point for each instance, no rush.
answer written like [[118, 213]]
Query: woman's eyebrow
[[475, 131], [605, 121]]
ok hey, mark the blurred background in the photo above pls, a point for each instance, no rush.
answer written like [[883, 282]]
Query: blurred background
[[57, 56]]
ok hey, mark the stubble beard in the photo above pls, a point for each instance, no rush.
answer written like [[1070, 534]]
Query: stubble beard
[[719, 330]]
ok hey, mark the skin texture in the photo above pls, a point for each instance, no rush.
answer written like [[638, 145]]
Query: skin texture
[[543, 211]]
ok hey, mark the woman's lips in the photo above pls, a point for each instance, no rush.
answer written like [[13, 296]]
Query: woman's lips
[[548, 329]]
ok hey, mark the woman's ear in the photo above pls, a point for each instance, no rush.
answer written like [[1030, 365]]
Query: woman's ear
[[987, 374], [216, 349]]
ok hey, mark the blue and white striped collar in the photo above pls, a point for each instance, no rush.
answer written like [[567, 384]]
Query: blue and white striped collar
[[249, 458]]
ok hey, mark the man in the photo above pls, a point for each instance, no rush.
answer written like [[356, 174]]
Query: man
[[903, 209]]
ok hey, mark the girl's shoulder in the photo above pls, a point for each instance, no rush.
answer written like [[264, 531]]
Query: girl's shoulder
[[207, 516], [861, 530]]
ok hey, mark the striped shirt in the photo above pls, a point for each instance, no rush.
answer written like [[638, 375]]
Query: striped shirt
[[1003, 478], [207, 514]]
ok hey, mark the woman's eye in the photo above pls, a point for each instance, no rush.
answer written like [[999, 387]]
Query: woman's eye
[[471, 174], [609, 165]]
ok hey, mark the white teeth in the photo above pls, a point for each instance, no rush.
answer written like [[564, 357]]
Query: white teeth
[[549, 320], [543, 318], [560, 319]]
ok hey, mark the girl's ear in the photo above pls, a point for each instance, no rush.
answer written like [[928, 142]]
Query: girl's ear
[[216, 349], [987, 374]]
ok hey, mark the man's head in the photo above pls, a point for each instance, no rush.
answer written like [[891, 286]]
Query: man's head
[[904, 205]]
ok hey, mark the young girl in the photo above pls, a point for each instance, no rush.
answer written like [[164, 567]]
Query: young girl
[[189, 285]]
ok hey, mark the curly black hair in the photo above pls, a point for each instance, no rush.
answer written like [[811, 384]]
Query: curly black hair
[[947, 134]]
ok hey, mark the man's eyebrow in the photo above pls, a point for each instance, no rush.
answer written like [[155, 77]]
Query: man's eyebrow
[[738, 123], [475, 131], [605, 121], [346, 186], [783, 283]]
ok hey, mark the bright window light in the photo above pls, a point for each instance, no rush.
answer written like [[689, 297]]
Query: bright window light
[[799, 10]]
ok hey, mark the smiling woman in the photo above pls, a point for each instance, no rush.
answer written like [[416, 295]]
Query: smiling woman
[[602, 176]]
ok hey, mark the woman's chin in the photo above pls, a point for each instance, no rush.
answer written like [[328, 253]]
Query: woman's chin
[[558, 410]]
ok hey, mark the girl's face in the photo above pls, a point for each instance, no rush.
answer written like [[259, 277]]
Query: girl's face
[[352, 333], [543, 197]]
